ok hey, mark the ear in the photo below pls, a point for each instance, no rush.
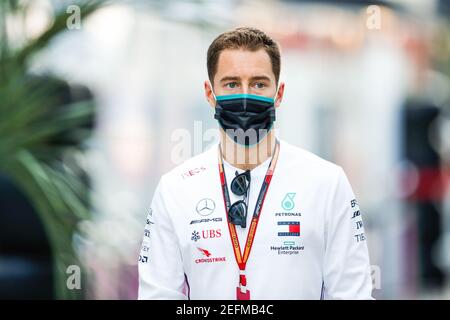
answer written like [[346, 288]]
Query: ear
[[209, 94], [280, 94]]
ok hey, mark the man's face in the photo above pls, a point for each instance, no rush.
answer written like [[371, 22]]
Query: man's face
[[243, 71]]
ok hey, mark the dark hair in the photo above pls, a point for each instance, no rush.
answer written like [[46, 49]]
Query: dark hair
[[246, 38]]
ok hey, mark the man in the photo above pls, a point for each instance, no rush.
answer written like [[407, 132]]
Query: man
[[252, 217]]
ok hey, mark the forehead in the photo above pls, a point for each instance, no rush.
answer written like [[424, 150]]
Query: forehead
[[244, 64]]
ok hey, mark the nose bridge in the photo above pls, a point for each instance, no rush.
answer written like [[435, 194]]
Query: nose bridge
[[245, 89], [245, 86]]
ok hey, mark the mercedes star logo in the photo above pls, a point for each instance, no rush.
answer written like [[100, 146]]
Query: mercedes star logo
[[205, 207]]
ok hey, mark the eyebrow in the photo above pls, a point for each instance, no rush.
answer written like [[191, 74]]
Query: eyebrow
[[260, 78], [224, 79], [238, 78]]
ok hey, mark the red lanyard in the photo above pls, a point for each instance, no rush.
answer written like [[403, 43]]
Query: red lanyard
[[242, 292]]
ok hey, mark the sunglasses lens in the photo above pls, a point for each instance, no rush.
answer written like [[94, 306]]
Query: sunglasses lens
[[239, 185], [238, 213]]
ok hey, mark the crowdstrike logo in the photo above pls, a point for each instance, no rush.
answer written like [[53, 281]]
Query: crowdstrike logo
[[204, 252], [205, 207], [208, 258]]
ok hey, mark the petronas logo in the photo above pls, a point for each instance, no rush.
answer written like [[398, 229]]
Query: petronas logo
[[288, 201]]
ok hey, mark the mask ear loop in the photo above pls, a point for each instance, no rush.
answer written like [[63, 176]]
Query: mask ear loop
[[275, 97], [212, 91]]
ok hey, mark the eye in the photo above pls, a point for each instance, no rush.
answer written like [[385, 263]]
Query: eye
[[232, 85], [260, 85]]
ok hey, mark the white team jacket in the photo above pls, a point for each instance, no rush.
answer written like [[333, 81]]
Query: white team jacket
[[309, 243]]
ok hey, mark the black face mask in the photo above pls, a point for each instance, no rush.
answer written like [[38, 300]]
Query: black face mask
[[246, 118]]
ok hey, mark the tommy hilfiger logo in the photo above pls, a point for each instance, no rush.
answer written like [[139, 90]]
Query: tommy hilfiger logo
[[290, 228]]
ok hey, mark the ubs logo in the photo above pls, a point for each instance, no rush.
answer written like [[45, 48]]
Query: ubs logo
[[205, 207], [206, 234]]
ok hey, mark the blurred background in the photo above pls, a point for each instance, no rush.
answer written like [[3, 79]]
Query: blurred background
[[99, 99]]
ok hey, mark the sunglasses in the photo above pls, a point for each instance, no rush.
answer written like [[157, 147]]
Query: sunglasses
[[240, 186]]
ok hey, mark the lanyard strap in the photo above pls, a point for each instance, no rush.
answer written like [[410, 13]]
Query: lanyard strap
[[242, 260]]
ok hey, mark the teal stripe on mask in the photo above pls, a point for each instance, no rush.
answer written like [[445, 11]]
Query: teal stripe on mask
[[244, 95]]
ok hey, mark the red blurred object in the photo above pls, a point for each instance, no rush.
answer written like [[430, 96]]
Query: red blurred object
[[432, 184]]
